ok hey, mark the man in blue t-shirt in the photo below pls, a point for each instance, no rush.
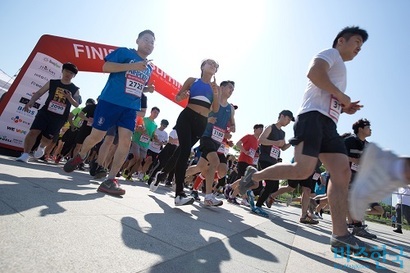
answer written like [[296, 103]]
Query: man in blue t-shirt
[[118, 104]]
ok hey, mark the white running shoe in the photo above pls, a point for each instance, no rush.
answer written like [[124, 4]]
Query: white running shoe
[[23, 158], [212, 201], [373, 181], [39, 152], [245, 202], [183, 200]]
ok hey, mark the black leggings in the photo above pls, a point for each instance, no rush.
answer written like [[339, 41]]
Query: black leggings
[[270, 187], [190, 127]]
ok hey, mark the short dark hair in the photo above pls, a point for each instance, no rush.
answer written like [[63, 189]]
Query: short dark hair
[[147, 31], [257, 126], [348, 32], [224, 83], [164, 122], [155, 108], [71, 67], [361, 123]]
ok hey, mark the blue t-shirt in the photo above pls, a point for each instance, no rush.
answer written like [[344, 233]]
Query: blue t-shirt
[[125, 88], [217, 131]]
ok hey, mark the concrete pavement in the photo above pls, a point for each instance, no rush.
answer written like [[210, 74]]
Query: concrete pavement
[[51, 221]]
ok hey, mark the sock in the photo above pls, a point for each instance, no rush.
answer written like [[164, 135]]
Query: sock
[[198, 182]]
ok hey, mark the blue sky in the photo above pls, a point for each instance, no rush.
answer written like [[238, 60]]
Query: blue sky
[[265, 47]]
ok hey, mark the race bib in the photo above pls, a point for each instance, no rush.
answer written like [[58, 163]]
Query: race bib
[[156, 145], [335, 109], [145, 138], [56, 107], [218, 134], [134, 85], [252, 153], [255, 161], [274, 152], [354, 167], [316, 176], [221, 149]]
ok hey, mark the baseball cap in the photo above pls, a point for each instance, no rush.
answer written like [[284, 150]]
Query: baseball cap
[[287, 113]]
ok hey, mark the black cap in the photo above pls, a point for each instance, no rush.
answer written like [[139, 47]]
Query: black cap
[[287, 113]]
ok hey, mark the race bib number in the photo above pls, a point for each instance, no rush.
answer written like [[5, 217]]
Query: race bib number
[[134, 85], [274, 152], [316, 176], [145, 138], [56, 107], [221, 149], [218, 134], [252, 153], [335, 109], [156, 145], [354, 167]]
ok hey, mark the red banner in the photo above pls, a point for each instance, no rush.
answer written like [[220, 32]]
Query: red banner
[[45, 63]]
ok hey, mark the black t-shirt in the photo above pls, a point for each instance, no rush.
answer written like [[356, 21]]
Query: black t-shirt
[[89, 113], [354, 147], [57, 105], [269, 153]]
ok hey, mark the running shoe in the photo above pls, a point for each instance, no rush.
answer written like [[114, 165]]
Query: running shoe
[[100, 172], [245, 202], [398, 230], [260, 211], [350, 245], [246, 181], [227, 191], [93, 167], [182, 200], [308, 220], [251, 198], [212, 201], [373, 181], [362, 232], [39, 152], [269, 202], [23, 158], [233, 200], [195, 195], [73, 163], [111, 186]]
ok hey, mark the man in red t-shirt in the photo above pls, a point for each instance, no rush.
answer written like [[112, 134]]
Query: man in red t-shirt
[[248, 146]]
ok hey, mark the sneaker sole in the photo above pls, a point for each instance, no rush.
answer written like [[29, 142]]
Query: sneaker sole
[[116, 193], [190, 202]]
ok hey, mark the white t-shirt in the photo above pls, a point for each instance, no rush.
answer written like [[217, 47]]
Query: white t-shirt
[[316, 99], [173, 134], [404, 196], [162, 137]]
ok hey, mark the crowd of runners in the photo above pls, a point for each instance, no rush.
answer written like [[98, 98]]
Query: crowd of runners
[[114, 137]]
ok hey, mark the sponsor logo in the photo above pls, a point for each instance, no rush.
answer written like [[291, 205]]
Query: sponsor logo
[[17, 130], [18, 119], [28, 113], [47, 69], [24, 100], [18, 141], [101, 121], [42, 77], [5, 139], [36, 84]]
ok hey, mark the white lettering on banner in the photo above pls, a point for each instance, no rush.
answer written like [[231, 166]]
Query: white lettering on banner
[[167, 77], [91, 52]]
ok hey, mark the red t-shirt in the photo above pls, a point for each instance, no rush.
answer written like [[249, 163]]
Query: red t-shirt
[[249, 143]]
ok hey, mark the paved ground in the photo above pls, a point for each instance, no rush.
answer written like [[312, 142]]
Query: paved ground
[[51, 221]]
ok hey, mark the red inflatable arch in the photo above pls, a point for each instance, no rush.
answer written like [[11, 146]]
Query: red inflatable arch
[[45, 63]]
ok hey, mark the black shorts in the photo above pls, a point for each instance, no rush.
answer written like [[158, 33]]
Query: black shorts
[[152, 154], [207, 145], [318, 134], [241, 167], [47, 124], [307, 183], [82, 134]]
